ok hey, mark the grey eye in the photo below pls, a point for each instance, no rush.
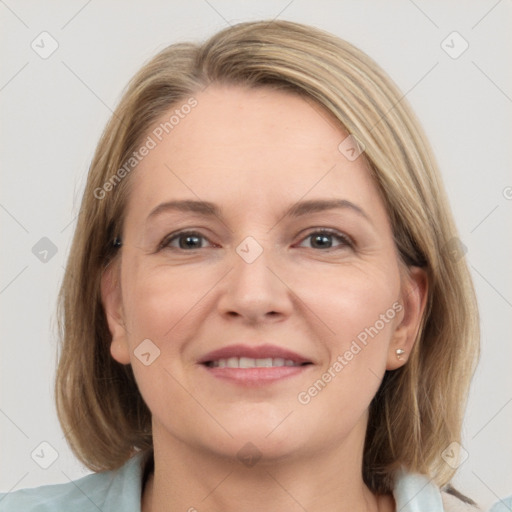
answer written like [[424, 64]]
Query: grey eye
[[186, 241], [324, 240]]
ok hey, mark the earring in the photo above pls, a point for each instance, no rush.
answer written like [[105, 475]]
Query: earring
[[399, 352]]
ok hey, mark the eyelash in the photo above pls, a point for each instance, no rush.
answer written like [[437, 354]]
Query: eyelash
[[345, 240]]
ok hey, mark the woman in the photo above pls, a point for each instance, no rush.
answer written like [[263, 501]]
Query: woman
[[264, 307]]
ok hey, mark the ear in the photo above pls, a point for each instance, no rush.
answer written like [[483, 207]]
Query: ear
[[413, 299], [111, 298]]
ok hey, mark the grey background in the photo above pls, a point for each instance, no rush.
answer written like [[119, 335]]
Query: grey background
[[53, 110]]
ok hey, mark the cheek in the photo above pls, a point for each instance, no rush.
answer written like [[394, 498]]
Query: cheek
[[164, 305], [356, 308], [362, 310], [158, 299]]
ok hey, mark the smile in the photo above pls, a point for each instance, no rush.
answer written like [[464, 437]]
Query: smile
[[254, 365]]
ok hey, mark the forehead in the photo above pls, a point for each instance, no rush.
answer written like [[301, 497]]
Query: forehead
[[258, 143], [278, 117]]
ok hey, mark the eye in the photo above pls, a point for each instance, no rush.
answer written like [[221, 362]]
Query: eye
[[186, 240], [326, 239]]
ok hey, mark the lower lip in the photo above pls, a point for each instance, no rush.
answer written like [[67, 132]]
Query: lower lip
[[256, 376]]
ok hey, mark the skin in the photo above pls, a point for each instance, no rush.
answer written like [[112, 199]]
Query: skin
[[254, 154]]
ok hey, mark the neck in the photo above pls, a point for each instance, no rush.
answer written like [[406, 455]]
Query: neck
[[188, 479]]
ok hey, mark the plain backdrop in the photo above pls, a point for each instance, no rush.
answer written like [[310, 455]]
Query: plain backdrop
[[54, 107]]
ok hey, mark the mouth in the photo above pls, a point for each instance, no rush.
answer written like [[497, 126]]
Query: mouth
[[254, 365]]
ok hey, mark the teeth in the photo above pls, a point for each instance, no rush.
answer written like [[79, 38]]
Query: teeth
[[249, 362], [232, 362], [265, 363]]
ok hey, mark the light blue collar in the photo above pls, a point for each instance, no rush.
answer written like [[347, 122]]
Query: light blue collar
[[416, 493]]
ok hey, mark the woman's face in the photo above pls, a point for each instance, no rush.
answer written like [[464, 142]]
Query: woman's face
[[258, 296]]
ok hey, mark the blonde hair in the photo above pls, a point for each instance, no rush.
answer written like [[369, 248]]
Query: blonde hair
[[418, 410]]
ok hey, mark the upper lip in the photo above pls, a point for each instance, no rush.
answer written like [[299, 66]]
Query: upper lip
[[254, 352]]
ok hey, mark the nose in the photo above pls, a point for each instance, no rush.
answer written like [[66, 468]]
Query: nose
[[255, 292]]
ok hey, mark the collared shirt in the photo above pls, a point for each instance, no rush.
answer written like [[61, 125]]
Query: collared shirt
[[120, 490]]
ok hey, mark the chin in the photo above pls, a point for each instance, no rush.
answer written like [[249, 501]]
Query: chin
[[273, 433]]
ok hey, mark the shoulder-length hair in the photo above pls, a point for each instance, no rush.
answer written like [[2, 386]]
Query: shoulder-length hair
[[418, 409]]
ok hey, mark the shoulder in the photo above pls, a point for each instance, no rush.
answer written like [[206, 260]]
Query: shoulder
[[119, 489], [86, 494], [414, 491]]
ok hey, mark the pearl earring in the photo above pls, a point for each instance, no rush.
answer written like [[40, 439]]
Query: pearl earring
[[399, 353]]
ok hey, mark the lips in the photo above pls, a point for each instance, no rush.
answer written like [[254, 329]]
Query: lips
[[254, 365]]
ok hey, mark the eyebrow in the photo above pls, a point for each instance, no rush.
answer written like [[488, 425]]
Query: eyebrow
[[297, 210], [202, 207]]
